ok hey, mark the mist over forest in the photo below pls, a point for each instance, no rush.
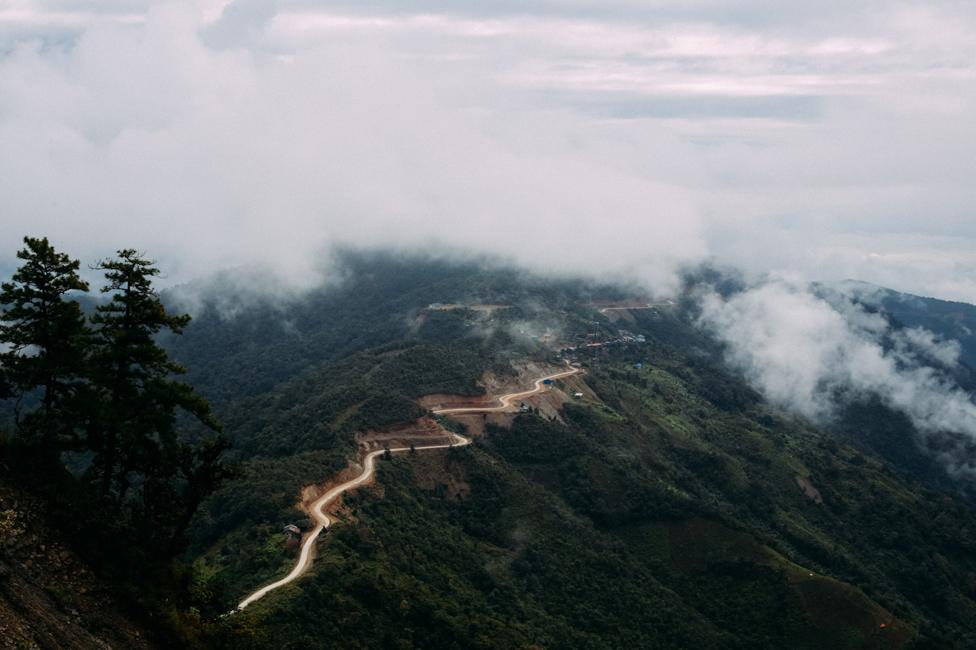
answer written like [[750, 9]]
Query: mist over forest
[[558, 325]]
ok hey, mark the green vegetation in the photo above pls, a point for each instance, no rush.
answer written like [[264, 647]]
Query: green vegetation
[[675, 509], [666, 514], [708, 499], [46, 336], [100, 395]]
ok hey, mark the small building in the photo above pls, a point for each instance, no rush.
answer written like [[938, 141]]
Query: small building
[[578, 395], [292, 531]]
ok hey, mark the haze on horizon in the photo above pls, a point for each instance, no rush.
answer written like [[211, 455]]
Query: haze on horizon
[[812, 141]]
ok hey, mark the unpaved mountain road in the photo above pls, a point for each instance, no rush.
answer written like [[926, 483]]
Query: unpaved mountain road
[[322, 520], [505, 401], [317, 509]]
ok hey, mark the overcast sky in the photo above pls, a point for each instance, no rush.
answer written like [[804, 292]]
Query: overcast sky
[[823, 140]]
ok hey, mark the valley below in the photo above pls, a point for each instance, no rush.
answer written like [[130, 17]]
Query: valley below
[[575, 467]]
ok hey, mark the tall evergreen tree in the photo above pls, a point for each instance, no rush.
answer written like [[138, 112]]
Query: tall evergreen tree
[[135, 434], [45, 336]]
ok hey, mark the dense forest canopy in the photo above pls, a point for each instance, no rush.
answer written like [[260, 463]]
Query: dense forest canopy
[[670, 506]]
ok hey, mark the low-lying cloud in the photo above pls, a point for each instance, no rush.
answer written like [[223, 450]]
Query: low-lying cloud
[[588, 138], [209, 158], [801, 351]]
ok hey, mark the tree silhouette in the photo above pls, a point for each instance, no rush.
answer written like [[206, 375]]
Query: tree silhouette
[[46, 337], [139, 396]]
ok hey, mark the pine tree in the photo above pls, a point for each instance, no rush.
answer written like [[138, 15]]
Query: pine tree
[[46, 339], [135, 434]]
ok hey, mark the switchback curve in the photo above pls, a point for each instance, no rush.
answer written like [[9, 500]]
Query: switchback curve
[[317, 509]]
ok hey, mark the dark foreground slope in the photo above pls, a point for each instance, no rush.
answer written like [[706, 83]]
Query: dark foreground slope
[[49, 597], [672, 508]]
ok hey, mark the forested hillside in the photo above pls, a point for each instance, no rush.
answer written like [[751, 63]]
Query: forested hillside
[[674, 509], [657, 501]]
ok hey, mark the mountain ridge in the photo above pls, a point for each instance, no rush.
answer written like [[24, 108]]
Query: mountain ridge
[[659, 501]]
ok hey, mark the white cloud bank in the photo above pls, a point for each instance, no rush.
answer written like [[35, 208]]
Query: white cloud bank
[[584, 136], [143, 135], [801, 350]]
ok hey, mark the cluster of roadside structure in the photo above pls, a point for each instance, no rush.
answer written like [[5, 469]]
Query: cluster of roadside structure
[[623, 336]]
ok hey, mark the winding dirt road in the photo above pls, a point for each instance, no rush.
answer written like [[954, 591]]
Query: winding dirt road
[[317, 509], [505, 401]]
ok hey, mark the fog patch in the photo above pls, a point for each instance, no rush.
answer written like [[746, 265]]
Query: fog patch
[[231, 292], [802, 351]]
